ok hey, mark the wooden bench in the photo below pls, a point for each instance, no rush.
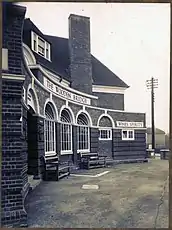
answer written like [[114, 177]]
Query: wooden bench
[[53, 169], [63, 170], [92, 160]]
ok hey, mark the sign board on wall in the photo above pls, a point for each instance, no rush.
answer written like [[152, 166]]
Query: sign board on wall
[[4, 59], [66, 94], [126, 124]]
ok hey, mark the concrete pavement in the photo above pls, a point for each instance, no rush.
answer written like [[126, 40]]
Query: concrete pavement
[[129, 196]]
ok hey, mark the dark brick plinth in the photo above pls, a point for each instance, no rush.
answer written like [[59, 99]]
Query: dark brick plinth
[[14, 185]]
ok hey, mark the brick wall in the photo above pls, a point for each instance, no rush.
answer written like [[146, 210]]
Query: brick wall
[[94, 135], [105, 122], [13, 155], [24, 152], [110, 100], [40, 147], [105, 146], [74, 144], [134, 149], [35, 142], [14, 185], [12, 35]]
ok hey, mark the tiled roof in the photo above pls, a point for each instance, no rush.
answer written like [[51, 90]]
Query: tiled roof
[[60, 59]]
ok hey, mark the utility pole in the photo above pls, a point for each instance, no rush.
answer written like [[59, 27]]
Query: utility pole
[[152, 84]]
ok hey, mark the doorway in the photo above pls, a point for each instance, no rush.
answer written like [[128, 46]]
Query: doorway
[[31, 140], [105, 136]]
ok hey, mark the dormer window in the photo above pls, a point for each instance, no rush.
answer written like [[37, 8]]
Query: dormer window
[[40, 46]]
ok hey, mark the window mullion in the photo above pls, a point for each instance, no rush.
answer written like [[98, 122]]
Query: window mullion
[[37, 43], [83, 146], [80, 147], [62, 135], [47, 134], [85, 137], [70, 137], [49, 52], [67, 135], [51, 136], [61, 132], [77, 137]]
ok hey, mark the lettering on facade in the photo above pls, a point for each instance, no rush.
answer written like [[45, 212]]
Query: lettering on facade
[[126, 124], [66, 94]]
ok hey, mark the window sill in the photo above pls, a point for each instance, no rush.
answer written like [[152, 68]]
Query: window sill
[[128, 139], [83, 151], [105, 139], [43, 56], [66, 152], [50, 153]]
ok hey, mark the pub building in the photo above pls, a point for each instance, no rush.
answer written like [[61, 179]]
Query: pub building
[[57, 99]]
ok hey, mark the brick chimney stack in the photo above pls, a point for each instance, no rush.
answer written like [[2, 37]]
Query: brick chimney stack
[[80, 56]]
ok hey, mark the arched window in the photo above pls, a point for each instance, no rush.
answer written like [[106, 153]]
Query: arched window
[[83, 133], [49, 130], [66, 131]]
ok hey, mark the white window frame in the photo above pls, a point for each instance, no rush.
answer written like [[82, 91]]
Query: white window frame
[[69, 151], [128, 138], [109, 130], [50, 118], [30, 100], [46, 46], [83, 150], [66, 119], [50, 153], [29, 96]]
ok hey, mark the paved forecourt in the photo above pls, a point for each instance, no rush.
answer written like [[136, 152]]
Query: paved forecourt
[[128, 195]]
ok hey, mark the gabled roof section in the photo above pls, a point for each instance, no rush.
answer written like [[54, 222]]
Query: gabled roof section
[[60, 55], [29, 25], [60, 60], [104, 76]]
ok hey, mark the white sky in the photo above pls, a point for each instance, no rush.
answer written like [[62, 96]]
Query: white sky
[[133, 40]]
